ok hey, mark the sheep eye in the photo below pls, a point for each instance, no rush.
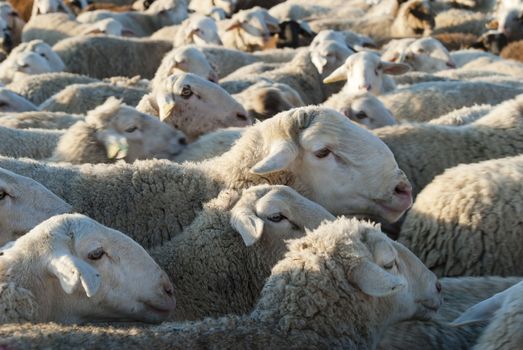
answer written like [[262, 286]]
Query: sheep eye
[[376, 71], [96, 254], [186, 92], [3, 194], [389, 266], [276, 217], [131, 129], [322, 153], [43, 55], [361, 115]]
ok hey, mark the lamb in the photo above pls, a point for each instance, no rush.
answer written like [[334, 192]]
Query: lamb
[[161, 13], [463, 248], [504, 312], [41, 58], [304, 303], [37, 144], [261, 219], [199, 30], [163, 197], [143, 56], [365, 71], [79, 98], [364, 109], [328, 51], [20, 205], [39, 120], [424, 151], [81, 255], [426, 101], [193, 105], [11, 102]]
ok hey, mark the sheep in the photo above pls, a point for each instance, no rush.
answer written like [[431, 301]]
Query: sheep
[[294, 34], [14, 23], [79, 98], [261, 219], [41, 7], [115, 131], [96, 267], [54, 27], [265, 99], [38, 88], [161, 13], [338, 287], [12, 102], [414, 17], [365, 71], [37, 144], [487, 195], [424, 151], [163, 197], [491, 41], [39, 120], [41, 59], [513, 51], [199, 30], [456, 41], [97, 56], [426, 101], [462, 116], [249, 30], [460, 21], [463, 57], [504, 311], [364, 109], [202, 6], [184, 59], [193, 105], [509, 23], [328, 54], [458, 293], [20, 205]]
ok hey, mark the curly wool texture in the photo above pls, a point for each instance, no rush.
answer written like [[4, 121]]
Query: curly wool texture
[[424, 151], [39, 120], [426, 101], [36, 144], [142, 56], [459, 294], [80, 98], [467, 221], [17, 304]]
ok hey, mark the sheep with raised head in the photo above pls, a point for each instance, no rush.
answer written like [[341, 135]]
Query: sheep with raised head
[[293, 148], [342, 268], [21, 205], [71, 269]]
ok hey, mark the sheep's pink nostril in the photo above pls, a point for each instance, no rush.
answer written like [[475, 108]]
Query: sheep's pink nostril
[[366, 87], [168, 289], [438, 287], [403, 189]]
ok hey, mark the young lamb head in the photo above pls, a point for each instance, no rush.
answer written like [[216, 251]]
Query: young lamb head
[[197, 106], [373, 279], [24, 203], [368, 111], [332, 161], [107, 26], [273, 214], [79, 270], [168, 12], [11, 102], [186, 59], [201, 30], [41, 7], [255, 28], [364, 71], [328, 55], [510, 23], [124, 133], [46, 52], [428, 55]]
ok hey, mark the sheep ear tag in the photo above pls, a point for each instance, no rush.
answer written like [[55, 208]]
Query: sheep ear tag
[[480, 312], [115, 145], [374, 281], [73, 272], [248, 225]]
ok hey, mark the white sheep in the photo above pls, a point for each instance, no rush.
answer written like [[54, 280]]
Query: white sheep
[[292, 148], [464, 115], [365, 71], [199, 30], [15, 23], [41, 7], [338, 287], [71, 269], [22, 205], [12, 102], [328, 51]]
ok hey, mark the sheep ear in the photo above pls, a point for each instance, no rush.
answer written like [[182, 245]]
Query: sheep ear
[[374, 281], [395, 68], [73, 272], [306, 29], [282, 153], [339, 74], [248, 225], [482, 311], [92, 30], [493, 25], [166, 105], [115, 144], [234, 25]]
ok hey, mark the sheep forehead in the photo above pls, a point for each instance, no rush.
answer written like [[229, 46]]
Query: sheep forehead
[[197, 84], [365, 59], [381, 247]]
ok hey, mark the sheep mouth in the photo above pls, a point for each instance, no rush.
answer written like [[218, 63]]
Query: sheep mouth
[[162, 311]]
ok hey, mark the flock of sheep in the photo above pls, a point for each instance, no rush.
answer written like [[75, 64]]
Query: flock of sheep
[[261, 174]]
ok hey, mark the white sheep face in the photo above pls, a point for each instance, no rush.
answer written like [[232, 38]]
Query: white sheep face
[[94, 273], [197, 106], [329, 55], [364, 72], [202, 30], [22, 205], [55, 62], [255, 28], [368, 111], [428, 55], [186, 59]]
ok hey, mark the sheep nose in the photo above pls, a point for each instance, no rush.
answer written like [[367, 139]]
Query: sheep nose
[[168, 288], [403, 189], [365, 87], [241, 116], [438, 287], [182, 141]]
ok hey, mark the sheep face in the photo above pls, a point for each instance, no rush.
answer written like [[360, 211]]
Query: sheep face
[[107, 26], [131, 135], [364, 73], [19, 211], [186, 60], [11, 102], [202, 30], [45, 51], [197, 106], [169, 12], [368, 111], [428, 55], [90, 273], [255, 28], [510, 23], [329, 55], [338, 164], [276, 213], [264, 100]]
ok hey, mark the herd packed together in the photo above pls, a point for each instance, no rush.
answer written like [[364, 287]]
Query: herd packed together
[[261, 174]]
